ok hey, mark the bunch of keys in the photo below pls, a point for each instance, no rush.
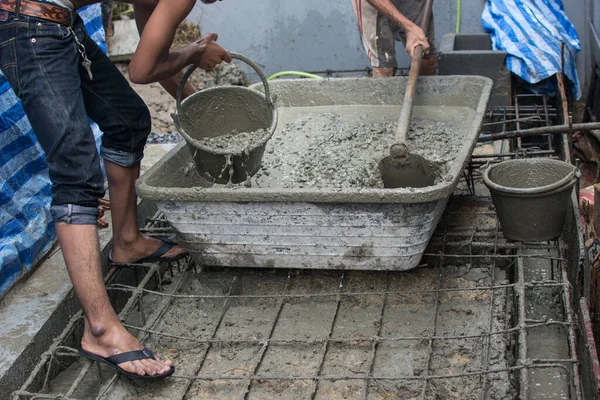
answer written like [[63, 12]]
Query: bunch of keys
[[86, 63]]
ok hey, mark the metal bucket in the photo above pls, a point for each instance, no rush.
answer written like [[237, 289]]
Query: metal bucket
[[531, 196], [225, 110]]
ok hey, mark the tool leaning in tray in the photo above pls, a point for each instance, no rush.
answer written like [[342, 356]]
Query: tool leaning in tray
[[401, 168]]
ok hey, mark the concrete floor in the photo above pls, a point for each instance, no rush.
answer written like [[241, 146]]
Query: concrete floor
[[35, 310], [249, 334], [226, 342]]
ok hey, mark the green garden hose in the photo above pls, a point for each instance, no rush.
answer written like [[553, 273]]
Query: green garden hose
[[298, 73], [458, 16]]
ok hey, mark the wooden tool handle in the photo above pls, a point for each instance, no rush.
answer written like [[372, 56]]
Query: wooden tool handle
[[409, 94]]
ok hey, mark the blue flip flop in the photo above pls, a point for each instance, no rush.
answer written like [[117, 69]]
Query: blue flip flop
[[157, 256], [113, 362]]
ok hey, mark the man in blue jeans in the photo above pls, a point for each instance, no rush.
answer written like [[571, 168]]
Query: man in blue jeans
[[62, 77]]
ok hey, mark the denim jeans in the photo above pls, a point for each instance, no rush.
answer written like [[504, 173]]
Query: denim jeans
[[43, 65]]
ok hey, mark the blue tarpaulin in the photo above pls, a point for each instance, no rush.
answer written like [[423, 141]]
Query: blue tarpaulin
[[532, 33], [26, 228]]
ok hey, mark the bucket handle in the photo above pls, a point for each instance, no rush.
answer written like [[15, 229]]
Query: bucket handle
[[237, 56]]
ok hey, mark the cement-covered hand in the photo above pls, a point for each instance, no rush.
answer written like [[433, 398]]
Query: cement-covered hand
[[415, 37], [209, 53]]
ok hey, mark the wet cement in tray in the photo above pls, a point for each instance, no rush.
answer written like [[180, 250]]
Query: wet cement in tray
[[341, 146]]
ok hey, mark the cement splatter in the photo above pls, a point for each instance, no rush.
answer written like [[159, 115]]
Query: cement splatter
[[236, 142]]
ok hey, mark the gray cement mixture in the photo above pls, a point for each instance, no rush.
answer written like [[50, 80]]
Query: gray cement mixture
[[236, 142], [341, 146]]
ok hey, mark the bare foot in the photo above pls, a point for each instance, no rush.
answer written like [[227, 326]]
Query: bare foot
[[106, 342], [140, 248]]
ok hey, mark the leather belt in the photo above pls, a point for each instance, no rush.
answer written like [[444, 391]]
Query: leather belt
[[38, 9]]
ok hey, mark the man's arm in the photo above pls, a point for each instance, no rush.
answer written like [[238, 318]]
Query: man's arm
[[153, 61], [142, 14], [414, 34]]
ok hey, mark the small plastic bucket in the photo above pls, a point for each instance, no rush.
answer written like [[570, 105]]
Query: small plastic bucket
[[531, 196], [225, 110]]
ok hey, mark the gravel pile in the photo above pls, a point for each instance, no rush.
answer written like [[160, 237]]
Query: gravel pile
[[163, 138]]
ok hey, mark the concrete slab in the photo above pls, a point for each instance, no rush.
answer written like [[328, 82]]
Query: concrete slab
[[153, 153], [33, 313], [123, 43], [472, 54]]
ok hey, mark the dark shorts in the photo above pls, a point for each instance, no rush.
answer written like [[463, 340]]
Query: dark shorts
[[42, 63], [379, 33]]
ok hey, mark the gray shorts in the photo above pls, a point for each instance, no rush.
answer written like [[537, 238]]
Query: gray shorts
[[379, 33]]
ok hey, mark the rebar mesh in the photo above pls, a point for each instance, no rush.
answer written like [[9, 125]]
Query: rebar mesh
[[350, 334], [367, 334]]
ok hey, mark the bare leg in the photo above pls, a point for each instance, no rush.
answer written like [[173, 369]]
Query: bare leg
[[379, 72], [128, 243], [429, 66], [103, 333]]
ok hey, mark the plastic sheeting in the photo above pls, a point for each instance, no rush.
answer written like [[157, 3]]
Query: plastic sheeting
[[532, 33]]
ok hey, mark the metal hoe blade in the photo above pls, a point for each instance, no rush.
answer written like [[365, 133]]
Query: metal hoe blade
[[408, 170], [400, 168]]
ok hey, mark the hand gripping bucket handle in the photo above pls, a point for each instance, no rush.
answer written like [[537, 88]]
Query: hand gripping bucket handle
[[237, 56]]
